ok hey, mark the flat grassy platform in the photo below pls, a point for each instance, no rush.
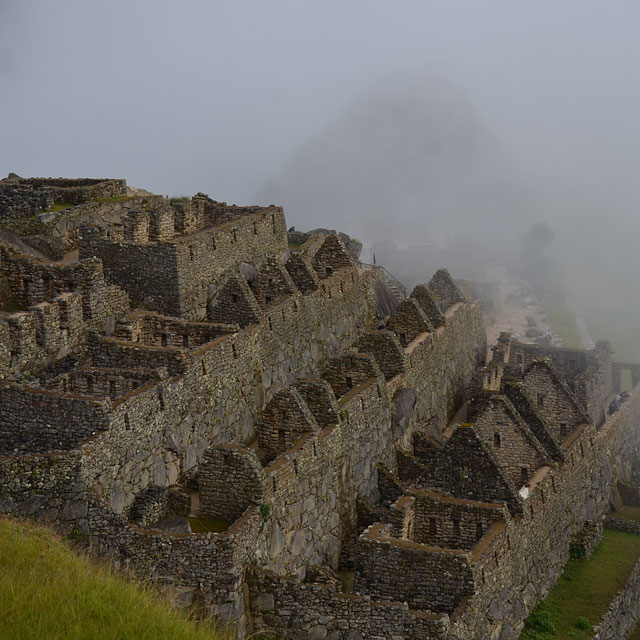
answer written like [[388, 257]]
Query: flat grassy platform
[[563, 322], [49, 591], [585, 589], [628, 513]]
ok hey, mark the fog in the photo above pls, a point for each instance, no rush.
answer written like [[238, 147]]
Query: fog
[[446, 128]]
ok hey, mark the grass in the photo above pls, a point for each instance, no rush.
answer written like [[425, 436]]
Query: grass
[[112, 199], [293, 246], [48, 591], [628, 513], [59, 206], [585, 590], [563, 322]]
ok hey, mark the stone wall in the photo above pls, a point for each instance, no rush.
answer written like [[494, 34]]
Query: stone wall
[[588, 373], [442, 521], [174, 276], [536, 547], [230, 479], [24, 197], [432, 577], [316, 611], [37, 420]]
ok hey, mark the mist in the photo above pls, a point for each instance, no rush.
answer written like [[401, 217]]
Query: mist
[[444, 128]]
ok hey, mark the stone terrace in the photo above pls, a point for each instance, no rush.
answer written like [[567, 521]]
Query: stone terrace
[[191, 368]]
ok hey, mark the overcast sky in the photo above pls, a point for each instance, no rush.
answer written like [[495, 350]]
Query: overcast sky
[[216, 96], [525, 109]]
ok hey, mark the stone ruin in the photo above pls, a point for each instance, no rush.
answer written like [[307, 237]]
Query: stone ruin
[[285, 438]]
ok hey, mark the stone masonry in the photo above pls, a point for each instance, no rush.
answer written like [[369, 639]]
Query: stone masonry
[[192, 368]]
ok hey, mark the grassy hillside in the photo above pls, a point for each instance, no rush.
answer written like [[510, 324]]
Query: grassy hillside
[[584, 591], [563, 322], [48, 591]]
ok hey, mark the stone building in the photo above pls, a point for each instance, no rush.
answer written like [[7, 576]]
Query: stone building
[[279, 434]]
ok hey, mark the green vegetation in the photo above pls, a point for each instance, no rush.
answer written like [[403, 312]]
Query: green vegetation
[[59, 206], [584, 591], [112, 199], [293, 246], [636, 634], [583, 623], [265, 511], [563, 322], [48, 591]]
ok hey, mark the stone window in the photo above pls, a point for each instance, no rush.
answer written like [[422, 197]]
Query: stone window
[[185, 341], [433, 526], [541, 399], [235, 236], [127, 422], [479, 530], [267, 299], [282, 442], [234, 298], [348, 380], [213, 244], [328, 270], [191, 253], [456, 527], [255, 228], [164, 339], [564, 429], [270, 323], [112, 388], [524, 476], [234, 352], [581, 450], [520, 358], [89, 384], [496, 440], [161, 400]]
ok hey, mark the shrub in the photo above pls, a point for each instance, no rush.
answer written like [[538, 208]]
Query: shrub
[[265, 511], [577, 552], [583, 623], [540, 621]]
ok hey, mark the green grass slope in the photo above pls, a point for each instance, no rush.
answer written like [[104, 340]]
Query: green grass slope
[[584, 591], [48, 591]]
